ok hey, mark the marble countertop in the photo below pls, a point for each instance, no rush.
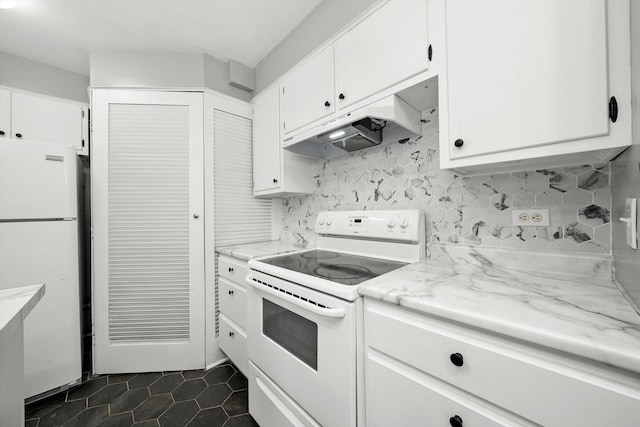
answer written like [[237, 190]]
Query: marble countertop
[[582, 313], [16, 303], [249, 251]]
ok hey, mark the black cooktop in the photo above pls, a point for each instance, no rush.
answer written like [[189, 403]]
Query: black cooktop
[[335, 266]]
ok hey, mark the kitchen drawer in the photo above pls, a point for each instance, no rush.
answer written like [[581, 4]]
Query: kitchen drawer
[[536, 388], [232, 269], [233, 341], [233, 301], [400, 396]]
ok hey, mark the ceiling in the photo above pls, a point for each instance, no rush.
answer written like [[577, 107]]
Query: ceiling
[[63, 32]]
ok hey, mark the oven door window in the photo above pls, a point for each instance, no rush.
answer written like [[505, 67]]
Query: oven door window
[[297, 335]]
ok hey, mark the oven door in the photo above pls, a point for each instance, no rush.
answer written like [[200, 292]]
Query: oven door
[[305, 342]]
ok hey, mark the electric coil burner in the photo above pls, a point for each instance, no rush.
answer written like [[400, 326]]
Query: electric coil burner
[[303, 330]]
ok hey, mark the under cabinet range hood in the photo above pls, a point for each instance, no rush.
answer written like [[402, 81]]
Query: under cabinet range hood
[[387, 120]]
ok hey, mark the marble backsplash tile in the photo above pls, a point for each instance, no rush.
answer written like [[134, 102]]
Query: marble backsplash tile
[[472, 211]]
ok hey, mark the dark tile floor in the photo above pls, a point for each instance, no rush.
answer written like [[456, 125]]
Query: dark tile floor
[[216, 397]]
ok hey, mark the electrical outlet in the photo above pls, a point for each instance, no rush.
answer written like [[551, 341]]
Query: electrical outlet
[[530, 217]]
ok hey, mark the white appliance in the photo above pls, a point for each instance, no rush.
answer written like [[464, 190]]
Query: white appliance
[[304, 325], [39, 244], [389, 119]]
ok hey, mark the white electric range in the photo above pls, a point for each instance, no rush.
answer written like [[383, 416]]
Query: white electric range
[[304, 329]]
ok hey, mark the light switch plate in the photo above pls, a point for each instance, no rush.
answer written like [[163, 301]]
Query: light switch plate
[[631, 219]]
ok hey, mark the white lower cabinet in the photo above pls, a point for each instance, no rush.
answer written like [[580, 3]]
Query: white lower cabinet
[[232, 297], [435, 371]]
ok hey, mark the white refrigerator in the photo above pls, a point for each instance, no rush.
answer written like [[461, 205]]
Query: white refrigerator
[[39, 244]]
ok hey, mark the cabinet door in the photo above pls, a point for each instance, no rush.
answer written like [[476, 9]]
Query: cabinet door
[[524, 73], [307, 93], [386, 48], [148, 231], [44, 119], [5, 113], [266, 142]]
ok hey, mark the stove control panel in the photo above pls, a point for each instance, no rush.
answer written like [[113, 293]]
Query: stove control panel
[[405, 225]]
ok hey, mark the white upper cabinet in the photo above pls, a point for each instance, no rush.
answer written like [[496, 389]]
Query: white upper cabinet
[[46, 119], [532, 78], [30, 117], [308, 92], [389, 46], [5, 113], [276, 172], [266, 142], [376, 57]]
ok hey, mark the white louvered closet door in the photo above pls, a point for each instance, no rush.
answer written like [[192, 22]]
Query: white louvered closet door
[[148, 231]]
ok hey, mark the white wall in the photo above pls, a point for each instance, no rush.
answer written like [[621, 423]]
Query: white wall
[[625, 179], [22, 73], [329, 17], [157, 70]]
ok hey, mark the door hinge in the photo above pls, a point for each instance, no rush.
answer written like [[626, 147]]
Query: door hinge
[[284, 125], [430, 52], [283, 90], [613, 109]]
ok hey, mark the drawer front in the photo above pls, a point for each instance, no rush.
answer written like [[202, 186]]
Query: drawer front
[[233, 301], [397, 396], [233, 341], [537, 389], [232, 269]]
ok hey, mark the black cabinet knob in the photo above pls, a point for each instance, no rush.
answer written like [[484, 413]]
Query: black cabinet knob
[[230, 269], [18, 135], [230, 292], [275, 181], [327, 104], [1, 133], [455, 421], [458, 143], [341, 96], [231, 334], [457, 359]]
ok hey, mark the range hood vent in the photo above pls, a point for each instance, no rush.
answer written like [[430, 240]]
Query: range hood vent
[[387, 120]]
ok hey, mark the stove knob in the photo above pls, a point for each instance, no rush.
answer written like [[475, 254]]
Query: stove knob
[[391, 223], [328, 221], [404, 223], [321, 221]]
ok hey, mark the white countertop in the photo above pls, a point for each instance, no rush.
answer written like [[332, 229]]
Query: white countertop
[[583, 313], [16, 303], [249, 251]]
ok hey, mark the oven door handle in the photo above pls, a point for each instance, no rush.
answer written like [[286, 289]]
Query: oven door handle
[[320, 311]]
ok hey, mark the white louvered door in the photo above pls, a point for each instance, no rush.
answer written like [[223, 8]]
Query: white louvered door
[[148, 231]]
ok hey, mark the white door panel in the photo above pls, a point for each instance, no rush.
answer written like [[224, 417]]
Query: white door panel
[[386, 48], [266, 141], [5, 113], [308, 92], [148, 231], [540, 67], [37, 180], [37, 118], [46, 252]]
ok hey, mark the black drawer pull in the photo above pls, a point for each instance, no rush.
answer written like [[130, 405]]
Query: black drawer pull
[[455, 421], [327, 104], [1, 133], [458, 143], [457, 359], [18, 135], [231, 334], [230, 269], [230, 292]]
